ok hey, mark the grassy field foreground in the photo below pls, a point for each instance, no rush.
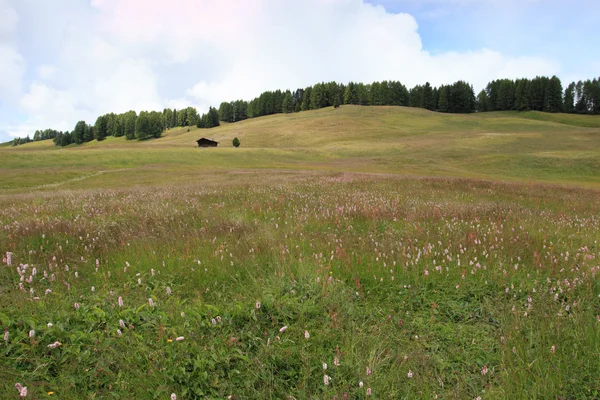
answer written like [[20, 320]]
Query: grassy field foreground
[[379, 252], [310, 285]]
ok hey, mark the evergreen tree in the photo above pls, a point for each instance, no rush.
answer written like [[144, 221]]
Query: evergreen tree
[[79, 132], [129, 119], [522, 95], [553, 95], [88, 136], [100, 128], [287, 105], [443, 100], [306, 99], [427, 99], [482, 101], [569, 99]]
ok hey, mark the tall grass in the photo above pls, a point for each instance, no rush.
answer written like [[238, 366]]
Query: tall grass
[[405, 288]]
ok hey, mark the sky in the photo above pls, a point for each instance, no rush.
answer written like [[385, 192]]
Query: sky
[[62, 61]]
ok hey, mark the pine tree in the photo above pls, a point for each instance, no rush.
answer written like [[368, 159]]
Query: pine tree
[[443, 101], [482, 101], [286, 104], [553, 95], [79, 132], [569, 99], [100, 128]]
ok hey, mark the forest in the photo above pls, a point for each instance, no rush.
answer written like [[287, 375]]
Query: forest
[[537, 94]]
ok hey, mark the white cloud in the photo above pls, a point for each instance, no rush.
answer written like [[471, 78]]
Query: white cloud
[[118, 55], [12, 64]]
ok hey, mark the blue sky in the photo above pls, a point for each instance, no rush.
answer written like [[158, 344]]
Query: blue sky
[[66, 60]]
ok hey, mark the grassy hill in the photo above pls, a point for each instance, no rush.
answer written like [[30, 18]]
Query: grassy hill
[[527, 146], [337, 253]]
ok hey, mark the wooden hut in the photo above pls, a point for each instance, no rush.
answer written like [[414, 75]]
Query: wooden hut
[[204, 142]]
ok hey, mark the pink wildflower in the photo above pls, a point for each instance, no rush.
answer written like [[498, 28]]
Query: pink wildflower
[[326, 379], [257, 305], [410, 374], [6, 336], [76, 305], [54, 345], [179, 339], [552, 349], [22, 390], [306, 335], [283, 329], [120, 301], [32, 333], [368, 391], [151, 302], [173, 396], [169, 291], [484, 370]]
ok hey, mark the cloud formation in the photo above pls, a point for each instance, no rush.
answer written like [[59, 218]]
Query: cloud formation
[[114, 55]]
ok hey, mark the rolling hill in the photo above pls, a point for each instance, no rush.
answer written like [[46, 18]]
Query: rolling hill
[[530, 146]]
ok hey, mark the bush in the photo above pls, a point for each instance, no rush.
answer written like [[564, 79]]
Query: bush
[[236, 142]]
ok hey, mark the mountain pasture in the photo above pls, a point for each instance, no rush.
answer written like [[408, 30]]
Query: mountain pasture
[[340, 253]]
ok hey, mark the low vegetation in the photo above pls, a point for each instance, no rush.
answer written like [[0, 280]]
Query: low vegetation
[[378, 252]]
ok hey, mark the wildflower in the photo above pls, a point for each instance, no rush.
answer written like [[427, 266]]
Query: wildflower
[[139, 281], [31, 333], [150, 302], [6, 336], [369, 372], [54, 345], [9, 258], [324, 366], [119, 332], [283, 329], [306, 334], [410, 374], [50, 393], [179, 339], [120, 301], [326, 379], [152, 271], [22, 390], [49, 325], [168, 290], [552, 349], [218, 318], [484, 370], [173, 396], [336, 362], [76, 305], [122, 323], [368, 391], [213, 321], [514, 350], [93, 288], [257, 305], [360, 384]]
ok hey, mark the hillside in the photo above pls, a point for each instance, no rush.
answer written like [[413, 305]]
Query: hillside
[[395, 140]]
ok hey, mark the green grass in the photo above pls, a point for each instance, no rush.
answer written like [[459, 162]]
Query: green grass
[[418, 250], [507, 146]]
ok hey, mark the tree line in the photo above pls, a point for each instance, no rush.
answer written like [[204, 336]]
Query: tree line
[[538, 94]]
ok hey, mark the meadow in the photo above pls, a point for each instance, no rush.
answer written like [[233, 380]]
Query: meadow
[[378, 252]]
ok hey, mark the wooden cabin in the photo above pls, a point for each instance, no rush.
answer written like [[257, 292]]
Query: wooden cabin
[[204, 142]]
